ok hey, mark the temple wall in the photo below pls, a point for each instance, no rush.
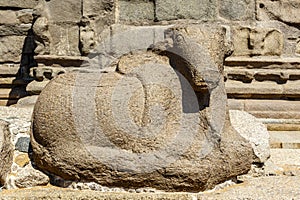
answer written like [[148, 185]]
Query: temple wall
[[42, 39]]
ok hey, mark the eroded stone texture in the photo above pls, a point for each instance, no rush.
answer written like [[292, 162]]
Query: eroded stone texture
[[136, 11], [6, 151], [257, 42], [46, 73], [42, 75], [19, 3], [237, 9], [97, 15], [42, 35], [290, 34], [27, 102], [56, 27], [282, 10], [118, 40], [298, 48], [22, 144], [64, 40], [146, 124], [8, 17], [22, 159], [14, 27], [181, 9], [57, 11], [11, 51], [35, 87], [253, 131], [55, 39], [23, 16], [249, 75], [30, 177]]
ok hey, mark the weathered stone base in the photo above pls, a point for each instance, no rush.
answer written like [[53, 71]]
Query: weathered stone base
[[267, 188]]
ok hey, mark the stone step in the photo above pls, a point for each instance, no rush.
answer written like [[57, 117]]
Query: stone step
[[9, 70], [264, 105], [8, 102], [8, 93], [249, 75], [64, 61], [19, 3], [279, 121], [11, 81], [271, 109], [283, 127], [281, 124], [276, 114], [263, 90], [262, 61], [285, 157], [285, 139]]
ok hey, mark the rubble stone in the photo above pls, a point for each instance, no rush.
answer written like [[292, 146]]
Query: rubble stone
[[22, 144], [253, 131], [6, 151], [22, 159], [30, 177]]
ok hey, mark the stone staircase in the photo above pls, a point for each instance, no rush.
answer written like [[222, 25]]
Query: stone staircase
[[282, 118], [11, 88], [268, 88], [285, 139]]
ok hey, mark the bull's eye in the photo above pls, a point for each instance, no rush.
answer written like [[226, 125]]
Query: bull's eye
[[179, 38]]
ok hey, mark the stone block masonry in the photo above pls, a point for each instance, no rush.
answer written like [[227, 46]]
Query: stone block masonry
[[260, 55], [258, 30], [180, 9], [18, 4]]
